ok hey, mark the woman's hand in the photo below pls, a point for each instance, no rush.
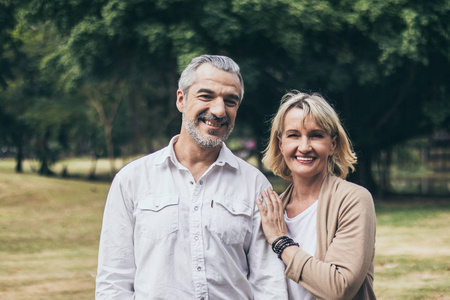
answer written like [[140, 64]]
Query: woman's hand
[[272, 217]]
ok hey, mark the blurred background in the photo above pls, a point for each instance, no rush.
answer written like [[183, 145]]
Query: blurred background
[[88, 85], [99, 78]]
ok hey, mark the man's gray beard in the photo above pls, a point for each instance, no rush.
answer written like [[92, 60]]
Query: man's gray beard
[[191, 127]]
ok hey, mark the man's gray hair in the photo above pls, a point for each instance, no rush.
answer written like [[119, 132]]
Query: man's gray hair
[[187, 78]]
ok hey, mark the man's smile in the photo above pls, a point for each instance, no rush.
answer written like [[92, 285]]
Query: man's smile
[[212, 120]]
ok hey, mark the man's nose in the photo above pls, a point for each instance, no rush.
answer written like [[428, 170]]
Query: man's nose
[[217, 107]]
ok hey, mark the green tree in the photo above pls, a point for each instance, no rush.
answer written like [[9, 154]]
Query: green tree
[[384, 64], [111, 51], [38, 115], [7, 47], [379, 61]]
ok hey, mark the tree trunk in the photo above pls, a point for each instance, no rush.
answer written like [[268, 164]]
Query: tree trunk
[[385, 162], [363, 175], [19, 158], [107, 120], [44, 169], [110, 148], [93, 166]]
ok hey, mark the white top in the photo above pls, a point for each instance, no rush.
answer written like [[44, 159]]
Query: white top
[[165, 236], [302, 229]]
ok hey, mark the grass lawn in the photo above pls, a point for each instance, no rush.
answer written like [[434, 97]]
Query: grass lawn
[[413, 251], [49, 236], [50, 229]]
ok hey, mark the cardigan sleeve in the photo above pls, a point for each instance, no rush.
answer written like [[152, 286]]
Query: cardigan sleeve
[[350, 251]]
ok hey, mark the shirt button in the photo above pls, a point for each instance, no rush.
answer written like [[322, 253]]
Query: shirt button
[[196, 238], [191, 182], [201, 182], [195, 208], [199, 268]]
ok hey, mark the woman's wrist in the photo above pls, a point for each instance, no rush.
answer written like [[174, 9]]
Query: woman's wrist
[[281, 243], [276, 240], [285, 246]]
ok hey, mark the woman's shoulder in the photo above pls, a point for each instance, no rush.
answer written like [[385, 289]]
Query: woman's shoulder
[[347, 190]]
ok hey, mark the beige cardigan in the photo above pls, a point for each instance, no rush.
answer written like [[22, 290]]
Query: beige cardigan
[[342, 267]]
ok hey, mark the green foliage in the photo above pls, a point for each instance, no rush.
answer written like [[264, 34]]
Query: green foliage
[[384, 64], [8, 52]]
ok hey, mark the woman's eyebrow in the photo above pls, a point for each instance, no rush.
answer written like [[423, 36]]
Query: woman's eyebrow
[[291, 131]]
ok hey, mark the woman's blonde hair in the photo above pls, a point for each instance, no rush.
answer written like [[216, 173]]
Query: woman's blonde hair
[[317, 107]]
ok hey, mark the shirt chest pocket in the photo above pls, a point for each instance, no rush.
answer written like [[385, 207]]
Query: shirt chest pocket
[[230, 220], [157, 216]]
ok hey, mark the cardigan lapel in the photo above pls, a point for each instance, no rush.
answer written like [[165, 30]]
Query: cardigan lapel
[[325, 222]]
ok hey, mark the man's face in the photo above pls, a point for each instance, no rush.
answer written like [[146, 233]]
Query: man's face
[[210, 106]]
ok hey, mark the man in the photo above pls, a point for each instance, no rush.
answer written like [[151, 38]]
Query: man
[[182, 223]]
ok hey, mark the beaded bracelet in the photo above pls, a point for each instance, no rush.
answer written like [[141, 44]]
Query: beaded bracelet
[[281, 244], [284, 247], [274, 243]]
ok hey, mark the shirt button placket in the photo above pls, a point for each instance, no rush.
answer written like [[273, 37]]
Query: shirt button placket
[[196, 241]]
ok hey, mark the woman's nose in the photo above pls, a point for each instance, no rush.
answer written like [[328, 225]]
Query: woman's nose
[[304, 145]]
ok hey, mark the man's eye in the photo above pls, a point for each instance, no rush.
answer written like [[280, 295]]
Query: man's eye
[[231, 103]]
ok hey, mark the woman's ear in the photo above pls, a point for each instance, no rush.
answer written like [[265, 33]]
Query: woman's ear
[[333, 145], [280, 144]]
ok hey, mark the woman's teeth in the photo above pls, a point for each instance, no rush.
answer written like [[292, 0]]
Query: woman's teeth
[[304, 158]]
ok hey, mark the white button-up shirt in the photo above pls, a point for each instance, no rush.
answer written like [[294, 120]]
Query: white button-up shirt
[[165, 236]]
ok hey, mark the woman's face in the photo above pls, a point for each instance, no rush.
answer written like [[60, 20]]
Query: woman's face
[[305, 147]]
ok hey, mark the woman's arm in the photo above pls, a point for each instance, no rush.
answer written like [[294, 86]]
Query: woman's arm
[[348, 257]]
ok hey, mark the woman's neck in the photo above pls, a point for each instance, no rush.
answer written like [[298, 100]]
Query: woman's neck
[[305, 192]]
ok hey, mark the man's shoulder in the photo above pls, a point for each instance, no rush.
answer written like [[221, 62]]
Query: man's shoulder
[[248, 170], [143, 161], [248, 166]]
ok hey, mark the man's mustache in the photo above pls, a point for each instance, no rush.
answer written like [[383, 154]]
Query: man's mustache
[[208, 116]]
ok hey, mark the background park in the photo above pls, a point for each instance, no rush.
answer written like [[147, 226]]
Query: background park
[[88, 85]]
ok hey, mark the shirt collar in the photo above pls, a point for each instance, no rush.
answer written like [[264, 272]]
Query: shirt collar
[[225, 155]]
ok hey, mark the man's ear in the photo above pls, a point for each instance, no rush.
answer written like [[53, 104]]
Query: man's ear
[[180, 100]]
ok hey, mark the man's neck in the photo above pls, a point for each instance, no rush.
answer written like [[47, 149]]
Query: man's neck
[[195, 158]]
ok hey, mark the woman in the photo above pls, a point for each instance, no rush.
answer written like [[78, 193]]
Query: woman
[[322, 227]]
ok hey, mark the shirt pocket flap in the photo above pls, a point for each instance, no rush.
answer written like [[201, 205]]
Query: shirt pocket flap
[[156, 203], [235, 206]]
